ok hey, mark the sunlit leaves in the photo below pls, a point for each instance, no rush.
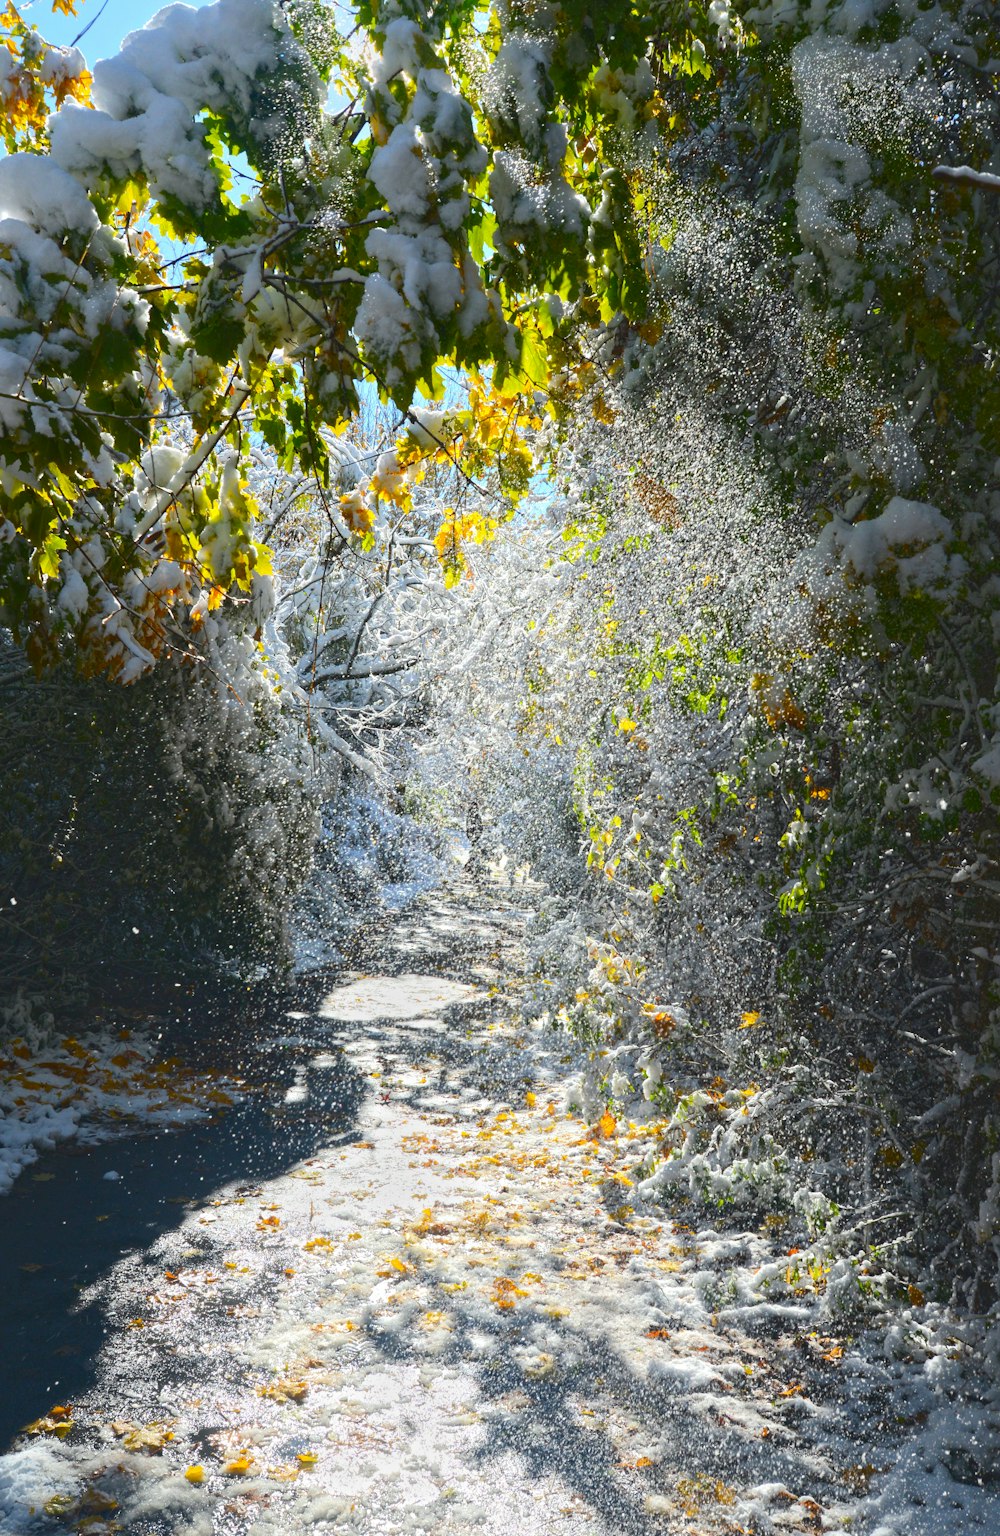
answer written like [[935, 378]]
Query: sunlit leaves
[[58, 1422], [37, 78], [274, 326], [284, 1390], [456, 532], [144, 1437]]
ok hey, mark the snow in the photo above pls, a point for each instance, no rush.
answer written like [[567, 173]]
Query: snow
[[34, 190], [403, 48], [148, 99], [964, 175], [399, 173], [60, 65], [520, 202], [847, 92], [907, 539]]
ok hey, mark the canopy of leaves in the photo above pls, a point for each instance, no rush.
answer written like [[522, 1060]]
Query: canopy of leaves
[[231, 238]]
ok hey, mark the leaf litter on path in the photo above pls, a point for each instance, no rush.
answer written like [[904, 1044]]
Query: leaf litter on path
[[464, 1322]]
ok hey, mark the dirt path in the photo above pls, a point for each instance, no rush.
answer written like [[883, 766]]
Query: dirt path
[[451, 1315]]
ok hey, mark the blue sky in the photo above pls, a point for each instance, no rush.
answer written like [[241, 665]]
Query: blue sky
[[117, 18]]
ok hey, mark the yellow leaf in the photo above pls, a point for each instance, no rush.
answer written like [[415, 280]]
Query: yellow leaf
[[138, 1437], [306, 1459], [239, 1465], [749, 1020], [195, 1473], [284, 1391], [284, 1472], [504, 1292], [60, 1505], [607, 1124], [56, 1422], [530, 1099]]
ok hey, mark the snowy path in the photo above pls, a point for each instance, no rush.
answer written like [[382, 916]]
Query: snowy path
[[449, 1318]]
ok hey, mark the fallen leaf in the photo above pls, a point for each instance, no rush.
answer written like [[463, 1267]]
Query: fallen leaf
[[504, 1291], [239, 1465], [57, 1422], [317, 1245], [139, 1437], [284, 1472], [306, 1459], [195, 1473], [284, 1391]]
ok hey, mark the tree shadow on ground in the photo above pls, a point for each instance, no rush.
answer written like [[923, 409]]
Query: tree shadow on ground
[[67, 1224], [700, 1455]]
